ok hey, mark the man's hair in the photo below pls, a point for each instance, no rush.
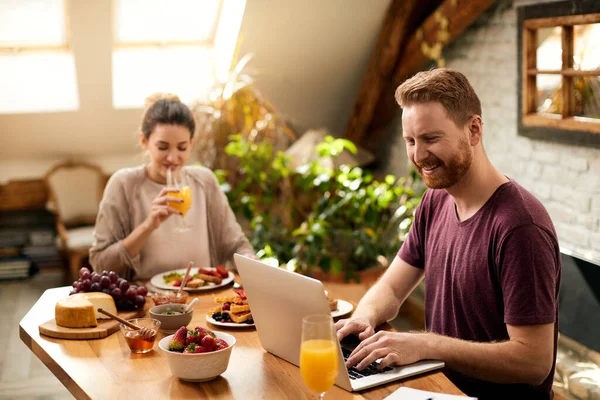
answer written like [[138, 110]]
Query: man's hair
[[448, 87]]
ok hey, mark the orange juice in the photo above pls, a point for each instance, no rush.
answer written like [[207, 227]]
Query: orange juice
[[319, 364], [185, 193]]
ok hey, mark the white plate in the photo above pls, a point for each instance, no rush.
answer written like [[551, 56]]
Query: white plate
[[228, 324], [158, 281], [344, 308]]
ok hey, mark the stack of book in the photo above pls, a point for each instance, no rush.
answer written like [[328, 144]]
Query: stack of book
[[27, 243]]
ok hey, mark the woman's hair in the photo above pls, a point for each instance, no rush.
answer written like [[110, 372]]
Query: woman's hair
[[449, 87], [165, 108]]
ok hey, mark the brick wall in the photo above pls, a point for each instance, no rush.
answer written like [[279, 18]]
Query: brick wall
[[565, 178]]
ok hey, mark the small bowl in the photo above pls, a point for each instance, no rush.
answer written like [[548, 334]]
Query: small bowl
[[133, 338], [170, 323], [198, 367], [170, 298]]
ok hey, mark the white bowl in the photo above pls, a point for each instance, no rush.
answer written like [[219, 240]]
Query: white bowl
[[198, 367]]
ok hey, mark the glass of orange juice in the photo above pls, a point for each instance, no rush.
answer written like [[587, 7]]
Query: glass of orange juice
[[318, 353], [178, 180]]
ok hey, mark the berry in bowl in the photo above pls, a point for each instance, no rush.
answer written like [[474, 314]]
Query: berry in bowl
[[197, 355]]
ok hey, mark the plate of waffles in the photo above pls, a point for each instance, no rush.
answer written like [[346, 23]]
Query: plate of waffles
[[229, 324], [343, 308]]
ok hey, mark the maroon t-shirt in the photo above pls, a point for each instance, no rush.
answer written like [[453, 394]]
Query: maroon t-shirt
[[501, 266]]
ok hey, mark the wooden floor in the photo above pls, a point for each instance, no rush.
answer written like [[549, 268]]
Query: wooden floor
[[22, 374]]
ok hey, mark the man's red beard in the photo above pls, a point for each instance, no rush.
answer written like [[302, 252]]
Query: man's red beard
[[446, 174]]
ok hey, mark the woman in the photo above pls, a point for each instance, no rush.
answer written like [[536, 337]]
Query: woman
[[135, 224]]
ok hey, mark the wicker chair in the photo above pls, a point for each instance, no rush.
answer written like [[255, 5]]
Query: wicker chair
[[74, 192]]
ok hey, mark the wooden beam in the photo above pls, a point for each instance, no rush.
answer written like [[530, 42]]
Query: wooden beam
[[446, 23], [376, 107], [401, 19]]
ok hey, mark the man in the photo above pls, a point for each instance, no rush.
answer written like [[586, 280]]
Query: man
[[486, 247]]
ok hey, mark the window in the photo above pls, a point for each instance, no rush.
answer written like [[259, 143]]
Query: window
[[179, 46], [37, 68], [560, 74]]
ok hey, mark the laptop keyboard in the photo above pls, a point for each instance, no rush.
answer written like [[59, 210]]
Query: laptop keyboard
[[370, 370]]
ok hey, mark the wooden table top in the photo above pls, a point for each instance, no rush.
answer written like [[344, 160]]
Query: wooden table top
[[106, 368]]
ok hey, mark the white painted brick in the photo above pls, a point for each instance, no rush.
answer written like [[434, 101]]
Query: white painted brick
[[574, 235], [590, 223], [559, 213], [595, 242], [571, 198], [542, 190], [545, 156], [589, 183], [574, 163], [533, 170], [559, 175]]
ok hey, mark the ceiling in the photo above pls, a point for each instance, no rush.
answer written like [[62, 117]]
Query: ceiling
[[311, 56]]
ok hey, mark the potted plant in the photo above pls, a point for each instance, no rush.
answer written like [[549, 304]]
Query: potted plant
[[325, 222]]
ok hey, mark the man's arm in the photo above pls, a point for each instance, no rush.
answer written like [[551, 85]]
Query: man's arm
[[382, 302], [525, 358]]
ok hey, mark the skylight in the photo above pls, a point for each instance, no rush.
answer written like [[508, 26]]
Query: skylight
[[179, 46], [37, 69]]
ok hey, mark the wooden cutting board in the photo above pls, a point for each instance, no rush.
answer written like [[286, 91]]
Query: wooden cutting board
[[106, 327]]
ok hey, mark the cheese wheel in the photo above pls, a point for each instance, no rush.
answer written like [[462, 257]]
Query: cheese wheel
[[80, 310], [101, 300]]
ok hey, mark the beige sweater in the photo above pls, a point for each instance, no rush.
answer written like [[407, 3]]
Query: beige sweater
[[126, 203]]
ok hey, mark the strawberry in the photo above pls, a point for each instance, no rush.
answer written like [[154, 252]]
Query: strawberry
[[241, 293], [177, 282], [208, 343], [222, 271], [193, 348], [179, 340], [193, 337], [203, 332], [221, 344]]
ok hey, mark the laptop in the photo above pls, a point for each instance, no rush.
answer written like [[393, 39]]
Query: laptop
[[279, 299]]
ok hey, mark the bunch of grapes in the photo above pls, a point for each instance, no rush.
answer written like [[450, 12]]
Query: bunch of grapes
[[126, 296]]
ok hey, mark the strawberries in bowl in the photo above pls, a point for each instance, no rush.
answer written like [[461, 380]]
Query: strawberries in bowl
[[197, 355]]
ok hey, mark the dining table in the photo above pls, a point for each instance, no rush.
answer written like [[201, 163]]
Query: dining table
[[107, 369]]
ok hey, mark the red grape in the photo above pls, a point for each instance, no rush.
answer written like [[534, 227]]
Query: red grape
[[86, 284], [131, 293], [96, 277], [124, 285], [116, 294], [105, 282], [95, 287], [142, 291], [83, 272], [140, 300], [113, 276], [75, 284]]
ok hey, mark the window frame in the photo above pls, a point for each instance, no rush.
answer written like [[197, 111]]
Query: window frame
[[163, 44], [566, 128], [66, 47]]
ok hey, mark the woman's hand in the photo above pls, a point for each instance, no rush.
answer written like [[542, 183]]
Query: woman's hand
[[161, 210]]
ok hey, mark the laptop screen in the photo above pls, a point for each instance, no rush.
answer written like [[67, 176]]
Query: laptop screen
[[579, 300]]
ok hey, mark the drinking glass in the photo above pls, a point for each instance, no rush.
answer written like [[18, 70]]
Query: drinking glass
[[318, 353], [178, 180]]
